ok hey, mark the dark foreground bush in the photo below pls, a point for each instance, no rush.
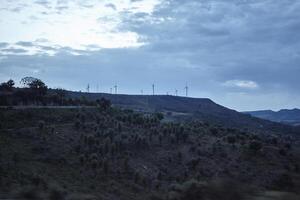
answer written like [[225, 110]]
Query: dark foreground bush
[[28, 193], [217, 190]]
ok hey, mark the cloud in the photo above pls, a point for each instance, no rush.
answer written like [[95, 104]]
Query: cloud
[[246, 51], [44, 3], [13, 50], [3, 44], [25, 44], [111, 5], [244, 84]]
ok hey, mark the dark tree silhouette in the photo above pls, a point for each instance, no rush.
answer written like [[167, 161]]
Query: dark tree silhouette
[[61, 93], [38, 87], [7, 86], [104, 103]]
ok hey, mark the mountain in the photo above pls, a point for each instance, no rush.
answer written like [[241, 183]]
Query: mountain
[[285, 116], [183, 108]]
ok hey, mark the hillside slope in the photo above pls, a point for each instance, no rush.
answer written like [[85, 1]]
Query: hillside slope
[[190, 108], [94, 154], [286, 116]]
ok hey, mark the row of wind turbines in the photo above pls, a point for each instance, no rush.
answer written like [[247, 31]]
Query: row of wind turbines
[[114, 90]]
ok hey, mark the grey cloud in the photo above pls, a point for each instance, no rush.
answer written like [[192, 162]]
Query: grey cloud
[[3, 44], [136, 69], [112, 6], [47, 48], [39, 45], [25, 44], [202, 42], [44, 3], [41, 40], [13, 50], [225, 32], [61, 8], [15, 7]]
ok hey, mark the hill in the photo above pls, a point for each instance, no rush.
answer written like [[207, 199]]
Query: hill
[[183, 108], [92, 153], [286, 116]]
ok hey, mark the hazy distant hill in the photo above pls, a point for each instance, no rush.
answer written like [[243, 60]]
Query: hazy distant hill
[[189, 108], [286, 116]]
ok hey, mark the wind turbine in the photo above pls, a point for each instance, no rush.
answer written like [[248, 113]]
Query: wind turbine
[[176, 92], [116, 89], [88, 88], [186, 90], [153, 87]]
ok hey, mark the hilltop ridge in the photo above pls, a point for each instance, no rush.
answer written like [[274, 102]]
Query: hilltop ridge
[[287, 116], [187, 108]]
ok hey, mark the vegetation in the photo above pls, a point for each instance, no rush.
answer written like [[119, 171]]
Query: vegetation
[[105, 152], [118, 154], [35, 92]]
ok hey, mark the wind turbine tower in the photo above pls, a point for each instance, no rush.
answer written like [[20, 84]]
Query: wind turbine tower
[[153, 87], [186, 90], [88, 88], [116, 89]]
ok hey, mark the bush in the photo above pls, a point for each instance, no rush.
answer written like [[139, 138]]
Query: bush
[[28, 193], [41, 124], [56, 194], [284, 181], [214, 131], [216, 190], [231, 139], [255, 146]]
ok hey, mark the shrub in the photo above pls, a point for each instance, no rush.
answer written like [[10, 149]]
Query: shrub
[[136, 177], [29, 193], [41, 124], [282, 152], [255, 146], [77, 124], [105, 166], [284, 181], [216, 190], [82, 159], [52, 130], [56, 194], [214, 131], [126, 163], [231, 139], [94, 163]]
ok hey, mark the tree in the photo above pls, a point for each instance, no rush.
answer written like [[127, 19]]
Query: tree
[[104, 103], [27, 80], [37, 88], [7, 86], [36, 85], [10, 83], [159, 116], [61, 93]]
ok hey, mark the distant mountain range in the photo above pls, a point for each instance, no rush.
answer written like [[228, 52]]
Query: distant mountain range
[[291, 117], [183, 108]]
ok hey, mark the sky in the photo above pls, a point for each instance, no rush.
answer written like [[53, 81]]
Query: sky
[[243, 54]]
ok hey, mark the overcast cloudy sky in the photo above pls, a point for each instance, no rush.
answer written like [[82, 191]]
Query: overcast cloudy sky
[[243, 54]]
